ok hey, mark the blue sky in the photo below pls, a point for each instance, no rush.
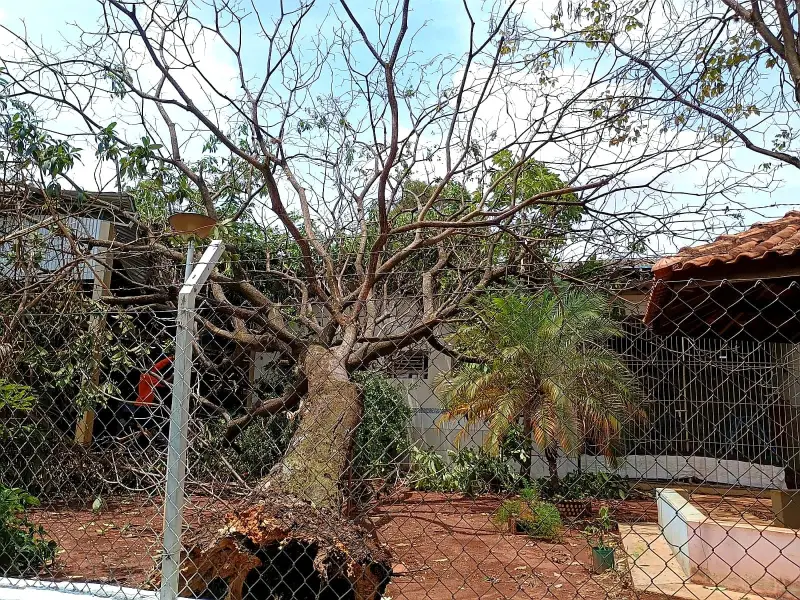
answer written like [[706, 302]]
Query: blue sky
[[444, 26], [444, 33]]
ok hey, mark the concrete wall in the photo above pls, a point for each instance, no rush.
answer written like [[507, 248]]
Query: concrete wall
[[742, 557], [677, 518], [634, 467], [36, 589], [730, 555], [666, 468]]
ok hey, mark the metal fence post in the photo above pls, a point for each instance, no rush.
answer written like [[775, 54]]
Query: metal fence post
[[179, 418]]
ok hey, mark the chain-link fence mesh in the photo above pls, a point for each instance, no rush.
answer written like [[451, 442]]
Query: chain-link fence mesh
[[570, 441], [566, 436]]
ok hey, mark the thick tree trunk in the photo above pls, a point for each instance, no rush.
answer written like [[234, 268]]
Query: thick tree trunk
[[318, 456], [294, 539]]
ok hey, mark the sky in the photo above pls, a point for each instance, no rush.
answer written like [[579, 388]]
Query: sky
[[443, 33]]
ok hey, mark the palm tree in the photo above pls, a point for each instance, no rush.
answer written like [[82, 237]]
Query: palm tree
[[543, 359]]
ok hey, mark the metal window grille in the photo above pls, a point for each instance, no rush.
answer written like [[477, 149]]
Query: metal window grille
[[409, 365]]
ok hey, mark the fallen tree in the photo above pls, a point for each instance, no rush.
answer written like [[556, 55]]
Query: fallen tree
[[278, 548], [367, 190]]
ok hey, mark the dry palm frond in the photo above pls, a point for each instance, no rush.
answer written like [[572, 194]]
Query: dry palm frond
[[547, 356]]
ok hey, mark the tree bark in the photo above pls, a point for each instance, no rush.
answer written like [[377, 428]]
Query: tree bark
[[297, 516], [318, 455], [551, 454]]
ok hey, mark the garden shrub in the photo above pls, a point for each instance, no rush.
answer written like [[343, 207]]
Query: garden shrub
[[510, 510], [600, 533], [477, 471], [540, 520], [35, 455], [470, 471], [543, 523], [582, 485], [382, 440], [514, 509], [24, 547], [516, 446], [262, 445], [257, 449], [429, 472], [530, 493]]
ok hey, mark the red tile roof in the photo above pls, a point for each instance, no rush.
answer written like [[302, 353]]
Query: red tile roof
[[779, 238]]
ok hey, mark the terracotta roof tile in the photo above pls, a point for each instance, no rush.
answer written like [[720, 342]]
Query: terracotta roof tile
[[780, 237]]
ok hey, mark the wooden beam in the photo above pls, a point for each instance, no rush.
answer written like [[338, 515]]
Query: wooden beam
[[100, 286]]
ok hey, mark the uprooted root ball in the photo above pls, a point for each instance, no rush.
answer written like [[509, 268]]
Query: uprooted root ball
[[282, 549]]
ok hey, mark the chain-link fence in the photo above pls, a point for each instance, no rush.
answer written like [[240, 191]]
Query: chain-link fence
[[551, 439]]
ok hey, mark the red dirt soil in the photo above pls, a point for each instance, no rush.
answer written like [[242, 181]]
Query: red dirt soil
[[446, 546], [443, 547], [739, 509]]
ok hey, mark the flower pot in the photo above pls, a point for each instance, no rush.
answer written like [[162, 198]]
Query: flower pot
[[602, 559]]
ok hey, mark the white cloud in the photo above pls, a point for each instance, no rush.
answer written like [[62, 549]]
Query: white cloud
[[512, 107]]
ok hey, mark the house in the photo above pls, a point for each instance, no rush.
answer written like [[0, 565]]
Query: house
[[723, 322], [711, 335], [41, 237], [741, 286], [29, 217], [728, 310]]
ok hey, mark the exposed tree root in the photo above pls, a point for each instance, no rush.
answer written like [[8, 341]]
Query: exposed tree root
[[282, 549], [294, 543]]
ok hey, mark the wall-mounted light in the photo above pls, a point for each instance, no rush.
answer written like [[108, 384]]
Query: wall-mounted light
[[191, 225]]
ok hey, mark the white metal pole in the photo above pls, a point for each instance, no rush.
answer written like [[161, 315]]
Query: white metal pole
[[179, 419], [189, 259]]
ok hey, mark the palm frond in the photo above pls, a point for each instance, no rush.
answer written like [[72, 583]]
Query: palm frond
[[545, 354]]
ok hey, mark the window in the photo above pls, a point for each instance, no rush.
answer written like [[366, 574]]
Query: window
[[411, 364]]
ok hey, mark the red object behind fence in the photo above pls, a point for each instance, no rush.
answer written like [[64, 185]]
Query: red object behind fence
[[149, 381]]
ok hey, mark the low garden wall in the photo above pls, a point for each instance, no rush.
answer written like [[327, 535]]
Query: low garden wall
[[730, 555]]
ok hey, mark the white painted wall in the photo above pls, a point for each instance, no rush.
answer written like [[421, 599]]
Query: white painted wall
[[668, 468], [29, 589], [731, 555], [678, 520]]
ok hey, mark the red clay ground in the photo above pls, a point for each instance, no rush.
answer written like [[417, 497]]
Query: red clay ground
[[446, 546], [443, 546], [739, 509], [121, 543]]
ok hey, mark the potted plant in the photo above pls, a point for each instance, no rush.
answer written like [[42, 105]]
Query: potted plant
[[601, 540]]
